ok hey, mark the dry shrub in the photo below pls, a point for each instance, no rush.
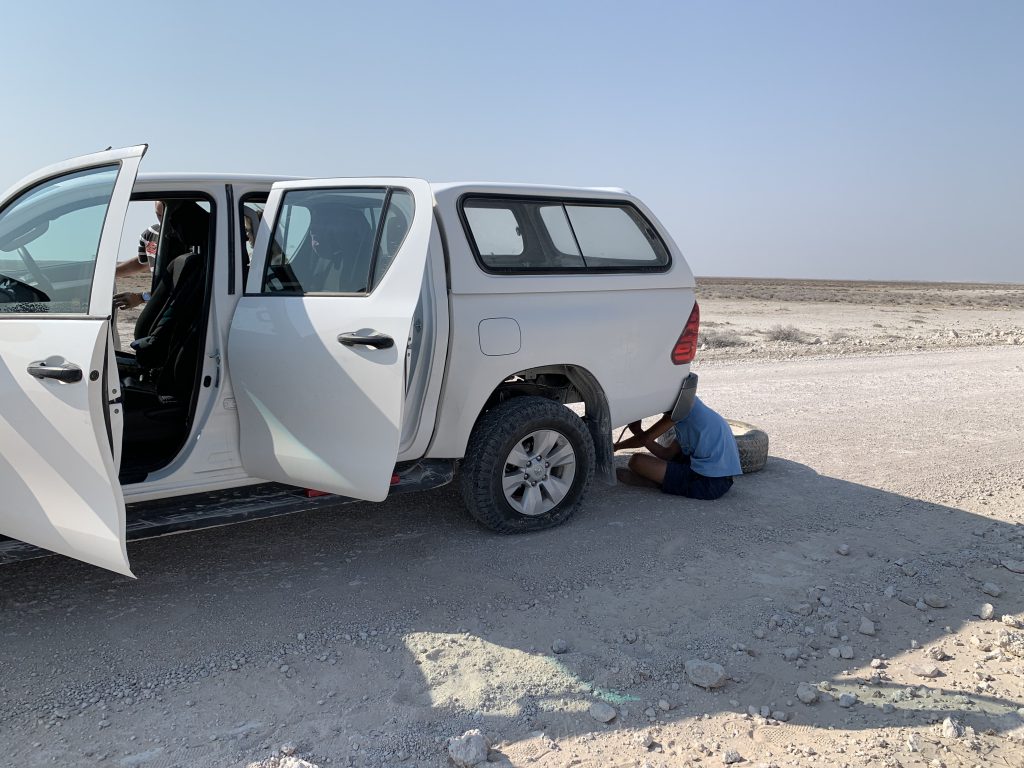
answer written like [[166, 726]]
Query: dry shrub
[[837, 336], [714, 339], [786, 333]]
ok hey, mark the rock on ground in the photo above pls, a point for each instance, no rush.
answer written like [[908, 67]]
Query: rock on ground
[[469, 749], [603, 713], [282, 761], [706, 674], [807, 693], [952, 729]]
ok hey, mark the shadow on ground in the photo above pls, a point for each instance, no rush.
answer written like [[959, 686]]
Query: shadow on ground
[[376, 631]]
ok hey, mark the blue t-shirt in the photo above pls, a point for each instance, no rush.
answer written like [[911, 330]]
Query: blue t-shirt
[[706, 438]]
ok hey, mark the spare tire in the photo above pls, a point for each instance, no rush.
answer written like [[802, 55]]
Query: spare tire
[[752, 443]]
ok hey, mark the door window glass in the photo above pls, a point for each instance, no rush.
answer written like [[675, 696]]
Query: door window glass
[[396, 227], [49, 239], [336, 241]]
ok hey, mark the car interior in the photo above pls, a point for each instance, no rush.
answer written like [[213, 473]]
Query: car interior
[[161, 369]]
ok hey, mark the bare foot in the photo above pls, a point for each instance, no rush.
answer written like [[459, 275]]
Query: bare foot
[[629, 477]]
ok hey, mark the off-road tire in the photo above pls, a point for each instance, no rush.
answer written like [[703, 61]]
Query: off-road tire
[[490, 443], [752, 443]]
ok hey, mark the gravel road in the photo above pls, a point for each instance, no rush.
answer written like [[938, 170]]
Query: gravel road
[[369, 634]]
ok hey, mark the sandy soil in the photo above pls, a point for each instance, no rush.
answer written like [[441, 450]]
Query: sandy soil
[[369, 634]]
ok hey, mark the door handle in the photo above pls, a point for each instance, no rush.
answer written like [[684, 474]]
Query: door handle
[[69, 373], [374, 341]]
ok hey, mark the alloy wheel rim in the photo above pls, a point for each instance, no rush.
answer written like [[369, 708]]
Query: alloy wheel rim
[[538, 473]]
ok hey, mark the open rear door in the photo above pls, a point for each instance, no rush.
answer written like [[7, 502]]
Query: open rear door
[[59, 234], [317, 350]]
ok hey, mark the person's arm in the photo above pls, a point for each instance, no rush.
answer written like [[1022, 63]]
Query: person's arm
[[666, 452], [129, 268], [640, 438]]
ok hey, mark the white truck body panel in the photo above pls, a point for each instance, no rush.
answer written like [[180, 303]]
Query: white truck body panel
[[295, 406]]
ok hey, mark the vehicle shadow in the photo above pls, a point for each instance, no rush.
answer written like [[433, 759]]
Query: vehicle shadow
[[401, 624]]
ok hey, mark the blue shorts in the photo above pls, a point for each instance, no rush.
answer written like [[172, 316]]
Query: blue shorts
[[681, 480]]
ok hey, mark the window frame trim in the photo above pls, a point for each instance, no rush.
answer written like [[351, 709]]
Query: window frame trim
[[460, 205]]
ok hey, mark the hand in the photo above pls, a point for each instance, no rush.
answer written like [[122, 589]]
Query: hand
[[127, 300]]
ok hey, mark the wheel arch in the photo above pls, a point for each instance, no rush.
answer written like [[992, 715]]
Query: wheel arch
[[565, 383]]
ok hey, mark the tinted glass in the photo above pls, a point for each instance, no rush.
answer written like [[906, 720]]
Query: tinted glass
[[496, 230], [336, 241], [557, 225], [611, 236], [323, 241], [524, 235], [392, 235], [49, 238]]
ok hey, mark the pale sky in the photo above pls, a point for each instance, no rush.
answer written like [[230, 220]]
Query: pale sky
[[866, 140]]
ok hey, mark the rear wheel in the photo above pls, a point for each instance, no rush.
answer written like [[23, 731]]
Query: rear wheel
[[528, 463]]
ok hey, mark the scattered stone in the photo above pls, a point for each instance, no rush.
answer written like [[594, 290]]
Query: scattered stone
[[706, 674], [888, 708], [732, 756], [807, 693], [559, 646], [664, 705], [282, 762], [833, 652], [913, 743], [936, 652], [603, 713], [802, 609], [867, 626], [759, 633], [926, 670], [992, 589], [846, 651], [469, 749], [953, 334], [1012, 621], [831, 629], [847, 700], [791, 654], [935, 601], [987, 611], [877, 664], [288, 748], [952, 729], [780, 715], [1014, 566], [1012, 643], [843, 549]]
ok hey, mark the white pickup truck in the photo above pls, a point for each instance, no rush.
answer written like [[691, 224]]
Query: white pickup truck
[[310, 339]]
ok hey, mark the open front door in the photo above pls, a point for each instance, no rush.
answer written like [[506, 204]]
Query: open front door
[[59, 234], [317, 351]]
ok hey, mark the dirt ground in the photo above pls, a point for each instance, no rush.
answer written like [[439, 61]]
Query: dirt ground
[[852, 573]]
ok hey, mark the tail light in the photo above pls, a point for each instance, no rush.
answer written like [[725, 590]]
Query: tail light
[[686, 347]]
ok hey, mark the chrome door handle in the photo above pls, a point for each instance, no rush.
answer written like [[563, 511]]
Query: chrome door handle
[[69, 373]]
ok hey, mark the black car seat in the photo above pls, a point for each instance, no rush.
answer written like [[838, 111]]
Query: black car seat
[[158, 397], [345, 239]]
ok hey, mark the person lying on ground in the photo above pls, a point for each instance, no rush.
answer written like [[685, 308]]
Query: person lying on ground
[[699, 463]]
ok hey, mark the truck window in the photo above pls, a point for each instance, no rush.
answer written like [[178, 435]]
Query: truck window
[[519, 235], [336, 241]]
